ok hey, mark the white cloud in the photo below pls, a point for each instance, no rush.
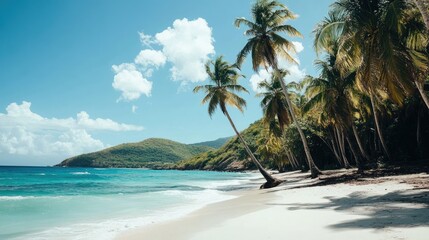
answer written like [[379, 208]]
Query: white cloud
[[295, 73], [148, 58], [147, 40], [75, 141], [130, 82], [298, 46], [23, 132], [187, 45], [84, 121], [255, 79]]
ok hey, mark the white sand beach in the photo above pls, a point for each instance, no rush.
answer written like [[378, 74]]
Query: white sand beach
[[384, 208]]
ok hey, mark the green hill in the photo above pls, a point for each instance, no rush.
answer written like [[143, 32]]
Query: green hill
[[230, 157], [151, 153], [214, 144]]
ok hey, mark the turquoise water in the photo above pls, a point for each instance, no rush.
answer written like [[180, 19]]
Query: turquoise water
[[88, 203]]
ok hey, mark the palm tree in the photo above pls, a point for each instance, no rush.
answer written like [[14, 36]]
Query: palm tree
[[372, 44], [333, 94], [266, 45], [276, 116], [221, 94], [274, 104], [416, 38]]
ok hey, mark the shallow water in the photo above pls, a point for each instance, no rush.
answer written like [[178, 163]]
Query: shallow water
[[93, 203]]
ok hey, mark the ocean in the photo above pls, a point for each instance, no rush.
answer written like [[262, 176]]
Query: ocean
[[98, 203]]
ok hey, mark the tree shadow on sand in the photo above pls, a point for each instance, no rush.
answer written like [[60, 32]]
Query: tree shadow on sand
[[408, 208]]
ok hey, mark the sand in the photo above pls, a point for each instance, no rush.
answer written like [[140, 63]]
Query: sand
[[389, 208]]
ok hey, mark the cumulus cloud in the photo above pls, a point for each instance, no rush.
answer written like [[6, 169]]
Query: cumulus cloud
[[130, 82], [23, 132], [147, 40], [84, 121], [148, 58], [298, 46], [295, 73], [255, 79], [187, 45]]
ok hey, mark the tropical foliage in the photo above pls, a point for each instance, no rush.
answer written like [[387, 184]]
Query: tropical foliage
[[367, 106]]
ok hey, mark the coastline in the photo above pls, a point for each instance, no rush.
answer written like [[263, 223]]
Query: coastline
[[102, 203], [390, 208]]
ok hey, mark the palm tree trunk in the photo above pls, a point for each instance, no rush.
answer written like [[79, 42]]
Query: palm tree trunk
[[333, 146], [362, 150], [271, 181], [377, 126], [291, 160], [336, 147], [335, 151], [422, 91], [298, 163], [352, 149], [340, 137], [346, 161], [315, 171], [423, 7]]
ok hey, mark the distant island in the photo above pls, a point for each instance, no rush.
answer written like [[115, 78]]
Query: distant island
[[153, 153], [223, 154]]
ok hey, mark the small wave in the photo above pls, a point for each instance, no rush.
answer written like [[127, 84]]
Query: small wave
[[14, 198], [19, 198], [80, 173], [173, 193], [109, 229]]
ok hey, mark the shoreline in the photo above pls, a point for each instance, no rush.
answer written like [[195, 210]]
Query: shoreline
[[389, 208], [89, 208]]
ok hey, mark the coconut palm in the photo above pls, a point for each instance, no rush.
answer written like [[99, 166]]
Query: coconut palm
[[416, 38], [372, 44], [274, 104], [220, 94], [266, 45], [333, 95]]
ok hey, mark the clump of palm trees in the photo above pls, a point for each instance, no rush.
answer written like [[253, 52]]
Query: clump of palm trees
[[374, 59]]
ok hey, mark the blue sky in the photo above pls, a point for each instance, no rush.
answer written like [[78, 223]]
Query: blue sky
[[71, 81]]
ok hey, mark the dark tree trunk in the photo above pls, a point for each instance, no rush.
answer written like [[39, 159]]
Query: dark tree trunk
[[377, 126], [271, 181], [360, 145], [315, 171]]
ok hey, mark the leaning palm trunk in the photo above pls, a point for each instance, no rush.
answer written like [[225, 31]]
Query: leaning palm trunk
[[422, 93], [352, 149], [423, 6], [359, 163], [340, 140], [362, 150], [271, 181], [377, 126], [336, 146], [292, 161], [331, 145], [298, 163], [313, 168]]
